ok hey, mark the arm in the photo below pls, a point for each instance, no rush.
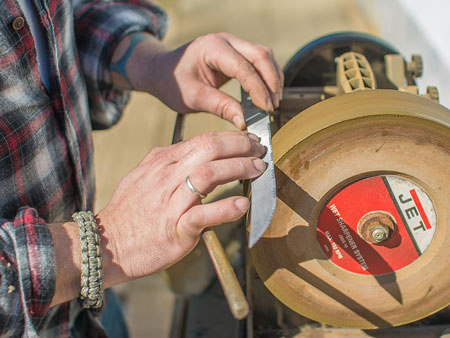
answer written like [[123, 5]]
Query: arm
[[27, 273], [152, 221], [99, 26], [187, 79], [66, 242]]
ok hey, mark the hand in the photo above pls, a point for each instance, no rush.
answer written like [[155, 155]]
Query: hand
[[186, 79], [153, 219]]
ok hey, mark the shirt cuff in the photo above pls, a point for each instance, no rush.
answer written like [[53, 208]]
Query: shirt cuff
[[28, 270], [99, 26]]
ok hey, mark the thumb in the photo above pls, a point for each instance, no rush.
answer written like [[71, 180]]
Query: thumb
[[197, 218], [214, 101]]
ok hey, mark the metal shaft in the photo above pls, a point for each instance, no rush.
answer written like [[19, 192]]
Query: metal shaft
[[225, 273]]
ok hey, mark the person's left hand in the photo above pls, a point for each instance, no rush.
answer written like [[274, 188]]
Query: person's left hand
[[187, 79]]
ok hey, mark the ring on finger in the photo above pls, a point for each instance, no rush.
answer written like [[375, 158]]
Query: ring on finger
[[192, 188]]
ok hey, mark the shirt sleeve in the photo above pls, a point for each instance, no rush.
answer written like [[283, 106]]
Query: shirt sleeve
[[27, 273], [99, 26]]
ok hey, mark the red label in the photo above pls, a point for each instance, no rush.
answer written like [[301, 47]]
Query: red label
[[420, 208], [340, 241]]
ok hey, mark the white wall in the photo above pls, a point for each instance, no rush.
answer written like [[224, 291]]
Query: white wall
[[417, 27]]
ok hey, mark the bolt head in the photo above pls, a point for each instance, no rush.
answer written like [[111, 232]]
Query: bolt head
[[379, 233]]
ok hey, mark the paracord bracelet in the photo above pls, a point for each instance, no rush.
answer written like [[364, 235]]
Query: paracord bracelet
[[91, 293]]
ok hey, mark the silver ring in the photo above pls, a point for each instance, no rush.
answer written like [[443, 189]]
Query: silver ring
[[192, 188]]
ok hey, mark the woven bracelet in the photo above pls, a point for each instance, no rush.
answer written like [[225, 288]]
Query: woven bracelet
[[91, 293]]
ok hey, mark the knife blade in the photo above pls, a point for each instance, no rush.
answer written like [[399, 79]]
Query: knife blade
[[263, 188]]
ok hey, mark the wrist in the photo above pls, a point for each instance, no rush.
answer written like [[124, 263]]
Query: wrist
[[132, 64], [66, 244], [112, 263], [67, 248]]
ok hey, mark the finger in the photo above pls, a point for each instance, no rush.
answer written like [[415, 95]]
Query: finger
[[179, 160], [281, 76], [223, 106], [207, 177], [220, 145], [246, 143], [212, 174], [197, 218], [225, 59], [263, 61]]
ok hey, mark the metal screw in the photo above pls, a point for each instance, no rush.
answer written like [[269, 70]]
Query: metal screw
[[379, 233], [415, 66]]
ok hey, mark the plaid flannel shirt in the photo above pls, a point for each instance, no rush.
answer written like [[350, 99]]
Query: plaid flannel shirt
[[46, 169]]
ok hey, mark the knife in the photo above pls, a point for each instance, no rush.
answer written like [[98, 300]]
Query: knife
[[263, 188]]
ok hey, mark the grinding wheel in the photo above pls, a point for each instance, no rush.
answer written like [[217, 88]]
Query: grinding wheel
[[361, 232]]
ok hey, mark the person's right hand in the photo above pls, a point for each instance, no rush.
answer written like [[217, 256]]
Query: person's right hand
[[153, 219]]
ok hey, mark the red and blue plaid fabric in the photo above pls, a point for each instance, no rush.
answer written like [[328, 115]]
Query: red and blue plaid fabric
[[46, 169]]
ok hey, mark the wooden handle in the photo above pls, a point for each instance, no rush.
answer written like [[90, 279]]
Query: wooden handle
[[231, 288]]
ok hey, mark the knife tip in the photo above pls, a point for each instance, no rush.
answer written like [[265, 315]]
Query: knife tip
[[251, 242]]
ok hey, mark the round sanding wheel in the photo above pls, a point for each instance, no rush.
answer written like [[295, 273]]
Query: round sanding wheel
[[361, 231]]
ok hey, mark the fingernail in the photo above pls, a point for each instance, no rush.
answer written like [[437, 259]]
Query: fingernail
[[239, 122], [254, 137], [262, 149], [242, 203], [269, 105], [260, 165]]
